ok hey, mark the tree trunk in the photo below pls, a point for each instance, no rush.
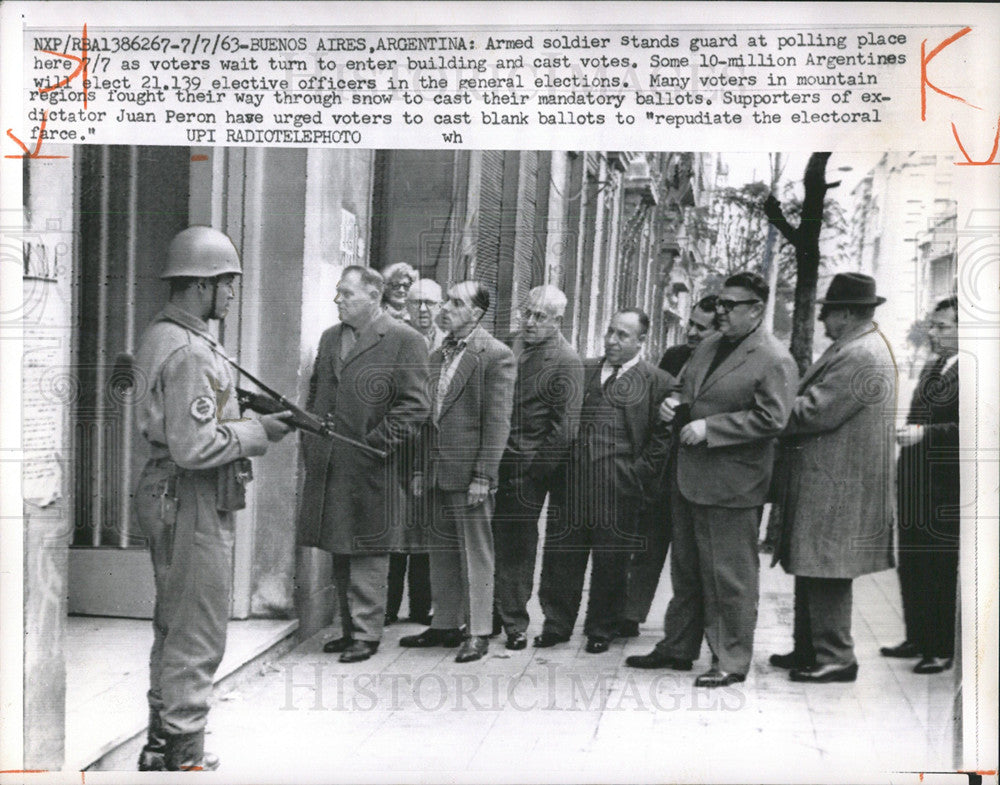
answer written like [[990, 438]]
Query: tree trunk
[[805, 239]]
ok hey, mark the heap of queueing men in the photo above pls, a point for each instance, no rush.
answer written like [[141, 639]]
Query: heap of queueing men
[[456, 440]]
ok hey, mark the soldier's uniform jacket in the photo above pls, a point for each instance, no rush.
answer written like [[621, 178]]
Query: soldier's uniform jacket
[[189, 411]]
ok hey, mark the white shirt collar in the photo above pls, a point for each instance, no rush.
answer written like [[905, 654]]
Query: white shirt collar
[[607, 369]]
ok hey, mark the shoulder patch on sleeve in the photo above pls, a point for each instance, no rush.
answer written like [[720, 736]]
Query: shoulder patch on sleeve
[[203, 409]]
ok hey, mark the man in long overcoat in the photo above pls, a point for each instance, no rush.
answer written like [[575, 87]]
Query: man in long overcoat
[[837, 504], [370, 377]]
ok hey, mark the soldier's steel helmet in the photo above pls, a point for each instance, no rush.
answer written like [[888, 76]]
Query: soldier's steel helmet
[[201, 252]]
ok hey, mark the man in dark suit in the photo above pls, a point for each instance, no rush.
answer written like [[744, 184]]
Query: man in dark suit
[[617, 456], [701, 325], [646, 564], [370, 377], [547, 397], [929, 499], [464, 440], [737, 392]]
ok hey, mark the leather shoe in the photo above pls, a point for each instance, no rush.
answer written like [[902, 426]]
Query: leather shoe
[[791, 660], [824, 674], [717, 678], [432, 637], [657, 660], [627, 628], [517, 641], [359, 651], [932, 665], [903, 651], [338, 645], [474, 647], [597, 644], [547, 639]]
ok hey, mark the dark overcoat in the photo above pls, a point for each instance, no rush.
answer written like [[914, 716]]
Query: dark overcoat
[[352, 501], [928, 475], [548, 393]]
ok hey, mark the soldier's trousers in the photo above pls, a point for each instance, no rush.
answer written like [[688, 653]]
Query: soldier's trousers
[[191, 543]]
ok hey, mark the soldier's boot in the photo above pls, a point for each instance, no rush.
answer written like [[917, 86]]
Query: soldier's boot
[[152, 756], [186, 752]]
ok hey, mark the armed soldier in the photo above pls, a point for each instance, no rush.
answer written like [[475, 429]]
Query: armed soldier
[[188, 491]]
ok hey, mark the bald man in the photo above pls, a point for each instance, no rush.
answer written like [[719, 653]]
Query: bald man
[[548, 394]]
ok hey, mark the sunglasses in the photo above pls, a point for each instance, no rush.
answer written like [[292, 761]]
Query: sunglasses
[[727, 306]]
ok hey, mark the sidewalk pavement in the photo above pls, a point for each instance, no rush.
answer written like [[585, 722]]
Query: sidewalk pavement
[[563, 714]]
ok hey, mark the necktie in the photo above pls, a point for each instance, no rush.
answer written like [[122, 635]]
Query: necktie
[[347, 339], [611, 379], [449, 348]]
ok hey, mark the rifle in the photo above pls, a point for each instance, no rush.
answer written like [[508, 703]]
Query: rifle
[[272, 402]]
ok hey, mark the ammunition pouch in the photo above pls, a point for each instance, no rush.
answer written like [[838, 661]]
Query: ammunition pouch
[[230, 487]]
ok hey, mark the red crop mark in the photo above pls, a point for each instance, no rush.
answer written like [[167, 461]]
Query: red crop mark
[[925, 60], [925, 82], [968, 161], [199, 157], [38, 144], [81, 67]]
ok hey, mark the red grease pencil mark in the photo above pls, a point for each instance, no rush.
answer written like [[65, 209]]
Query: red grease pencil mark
[[199, 157], [38, 146], [968, 161], [925, 60], [925, 82]]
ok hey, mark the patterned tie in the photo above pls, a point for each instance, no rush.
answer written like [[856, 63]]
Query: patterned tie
[[449, 349]]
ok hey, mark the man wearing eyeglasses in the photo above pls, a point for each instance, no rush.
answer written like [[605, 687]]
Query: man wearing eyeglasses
[[423, 302], [548, 393], [399, 277], [411, 567], [736, 396]]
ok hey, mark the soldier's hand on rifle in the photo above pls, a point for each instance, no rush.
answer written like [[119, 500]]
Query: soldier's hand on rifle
[[275, 426], [417, 485]]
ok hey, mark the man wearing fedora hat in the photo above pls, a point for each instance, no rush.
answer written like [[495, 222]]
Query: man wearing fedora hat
[[837, 494]]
